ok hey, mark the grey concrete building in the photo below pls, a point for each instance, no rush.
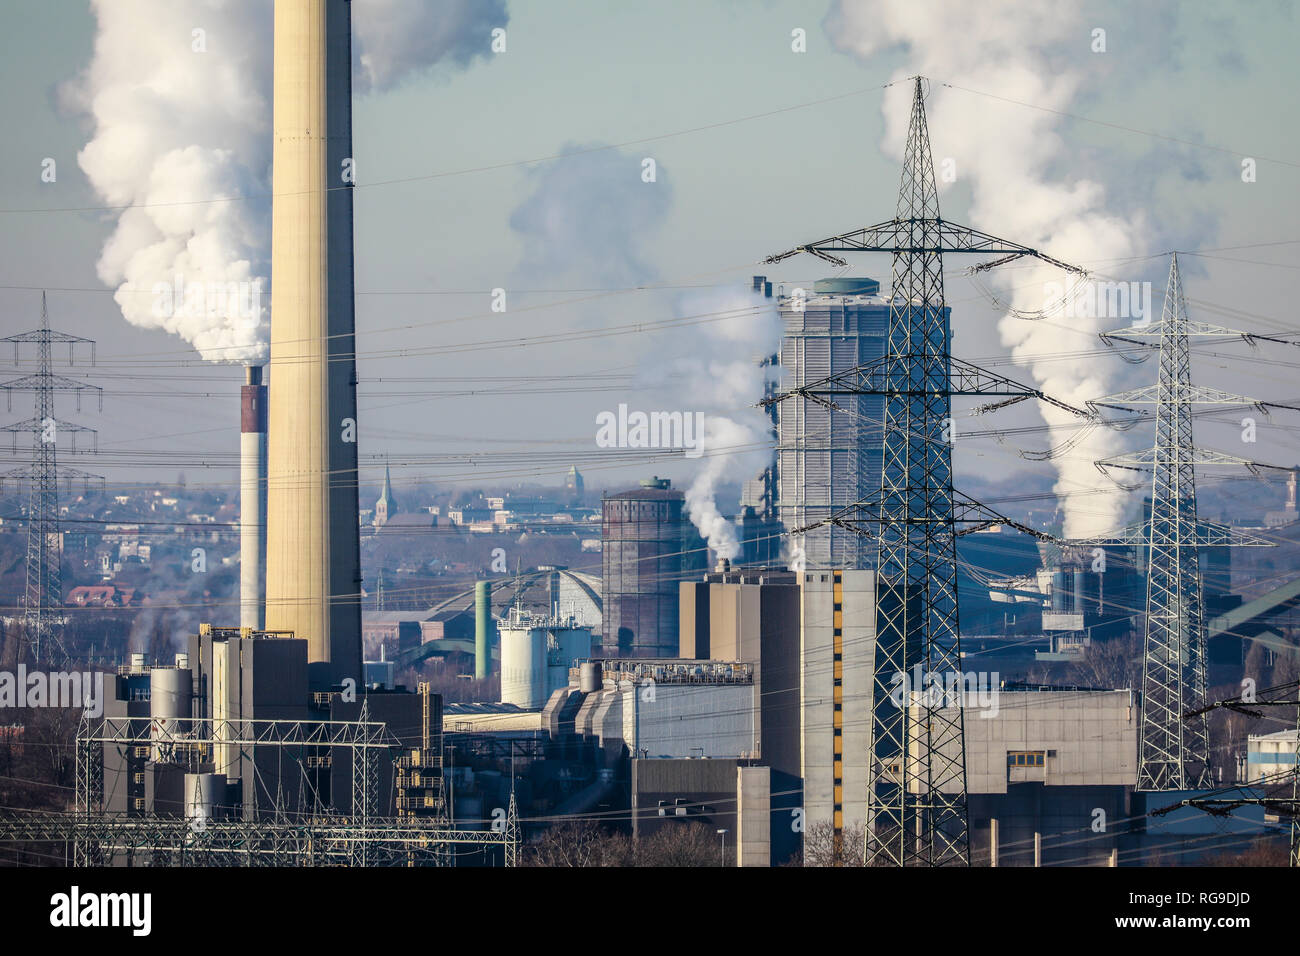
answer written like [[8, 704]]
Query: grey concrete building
[[668, 709], [827, 460], [1050, 775], [731, 797]]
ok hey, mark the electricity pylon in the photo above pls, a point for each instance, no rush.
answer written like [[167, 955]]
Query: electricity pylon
[[916, 799], [1173, 755], [44, 592]]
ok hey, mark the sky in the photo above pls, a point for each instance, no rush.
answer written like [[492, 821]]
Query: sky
[[523, 170]]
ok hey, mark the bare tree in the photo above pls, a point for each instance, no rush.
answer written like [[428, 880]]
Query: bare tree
[[52, 732], [685, 844], [823, 845], [579, 843], [1262, 852], [1116, 663]]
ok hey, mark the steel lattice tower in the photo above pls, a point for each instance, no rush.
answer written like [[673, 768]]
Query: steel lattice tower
[[44, 591], [1173, 755], [916, 594], [916, 799]]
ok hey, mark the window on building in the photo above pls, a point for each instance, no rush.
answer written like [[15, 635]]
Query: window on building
[[1025, 758]]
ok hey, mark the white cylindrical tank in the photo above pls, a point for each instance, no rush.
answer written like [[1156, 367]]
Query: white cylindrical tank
[[523, 664], [204, 794], [170, 693], [566, 643], [589, 677], [536, 654]]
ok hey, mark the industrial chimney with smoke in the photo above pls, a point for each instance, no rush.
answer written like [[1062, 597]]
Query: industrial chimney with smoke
[[252, 498], [313, 567]]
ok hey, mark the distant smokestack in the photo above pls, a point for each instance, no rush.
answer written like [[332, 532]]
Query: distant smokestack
[[313, 565], [482, 628], [252, 498]]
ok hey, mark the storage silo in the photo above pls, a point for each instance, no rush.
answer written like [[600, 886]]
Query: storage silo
[[523, 661], [566, 643], [204, 795], [170, 707], [536, 654]]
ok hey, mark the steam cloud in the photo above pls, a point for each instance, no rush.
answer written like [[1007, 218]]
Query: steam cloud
[[1008, 155], [179, 94], [588, 216], [395, 38], [588, 219], [722, 378]]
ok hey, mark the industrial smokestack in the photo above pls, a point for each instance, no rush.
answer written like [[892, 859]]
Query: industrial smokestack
[[252, 498], [313, 567], [482, 627]]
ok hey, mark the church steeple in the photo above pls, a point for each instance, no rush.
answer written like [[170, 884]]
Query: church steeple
[[386, 506]]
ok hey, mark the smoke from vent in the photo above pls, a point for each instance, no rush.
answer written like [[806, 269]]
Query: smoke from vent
[[190, 252], [721, 377], [1011, 159], [589, 219]]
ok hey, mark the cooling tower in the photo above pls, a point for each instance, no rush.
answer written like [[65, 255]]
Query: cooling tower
[[313, 574], [252, 497]]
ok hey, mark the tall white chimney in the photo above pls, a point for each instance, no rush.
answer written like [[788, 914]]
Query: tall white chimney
[[313, 560], [252, 498]]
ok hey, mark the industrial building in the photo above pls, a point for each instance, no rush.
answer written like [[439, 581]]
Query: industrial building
[[732, 797], [234, 721], [829, 460], [1270, 756], [1044, 761], [649, 547], [751, 616], [682, 738], [777, 673]]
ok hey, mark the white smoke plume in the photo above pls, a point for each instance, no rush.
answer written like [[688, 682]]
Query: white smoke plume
[[179, 97], [395, 38], [1021, 174], [720, 376], [589, 218]]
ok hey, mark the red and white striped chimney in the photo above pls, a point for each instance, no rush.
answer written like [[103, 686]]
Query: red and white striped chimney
[[252, 499]]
